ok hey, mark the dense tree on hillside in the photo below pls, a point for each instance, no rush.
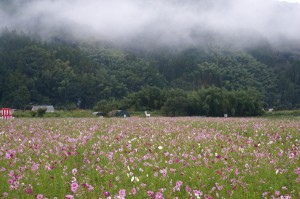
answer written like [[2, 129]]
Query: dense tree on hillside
[[76, 75]]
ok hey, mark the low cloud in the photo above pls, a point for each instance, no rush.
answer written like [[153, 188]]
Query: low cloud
[[163, 22]]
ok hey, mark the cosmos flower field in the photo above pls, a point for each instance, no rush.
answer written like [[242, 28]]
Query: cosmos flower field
[[150, 158]]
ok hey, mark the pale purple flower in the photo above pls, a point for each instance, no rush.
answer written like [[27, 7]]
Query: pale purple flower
[[122, 193], [264, 194], [39, 196], [8, 156], [292, 155], [74, 171], [198, 193]]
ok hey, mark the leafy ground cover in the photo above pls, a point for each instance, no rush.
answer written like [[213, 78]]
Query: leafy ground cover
[[150, 158]]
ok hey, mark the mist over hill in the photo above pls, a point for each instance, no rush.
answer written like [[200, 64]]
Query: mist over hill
[[181, 57], [157, 23]]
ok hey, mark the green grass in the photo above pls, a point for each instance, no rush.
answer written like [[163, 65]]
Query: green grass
[[283, 114]]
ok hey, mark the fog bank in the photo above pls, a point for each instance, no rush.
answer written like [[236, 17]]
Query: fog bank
[[155, 21]]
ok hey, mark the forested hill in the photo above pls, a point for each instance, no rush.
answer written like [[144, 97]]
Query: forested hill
[[189, 81]]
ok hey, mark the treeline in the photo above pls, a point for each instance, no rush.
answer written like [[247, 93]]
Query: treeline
[[211, 101], [33, 72], [194, 81]]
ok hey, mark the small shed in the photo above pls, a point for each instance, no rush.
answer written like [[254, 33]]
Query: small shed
[[49, 108]]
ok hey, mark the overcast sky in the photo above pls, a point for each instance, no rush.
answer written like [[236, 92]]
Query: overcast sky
[[293, 1], [164, 21]]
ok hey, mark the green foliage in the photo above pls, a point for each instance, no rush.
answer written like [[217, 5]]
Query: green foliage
[[61, 113], [214, 102], [83, 76], [107, 105], [283, 113], [32, 113], [41, 112]]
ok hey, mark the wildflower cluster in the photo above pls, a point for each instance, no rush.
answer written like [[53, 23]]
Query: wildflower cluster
[[150, 158]]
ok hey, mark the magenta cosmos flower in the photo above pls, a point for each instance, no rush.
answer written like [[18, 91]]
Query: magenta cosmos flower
[[74, 187]]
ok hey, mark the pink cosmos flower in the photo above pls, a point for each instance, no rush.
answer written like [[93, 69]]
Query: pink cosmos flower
[[122, 193], [11, 173], [34, 167], [133, 191], [150, 193], [28, 191], [10, 181], [74, 187], [39, 196], [297, 171], [177, 186], [159, 195], [106, 193], [277, 193], [90, 188], [188, 189], [236, 171], [178, 183], [69, 197]]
